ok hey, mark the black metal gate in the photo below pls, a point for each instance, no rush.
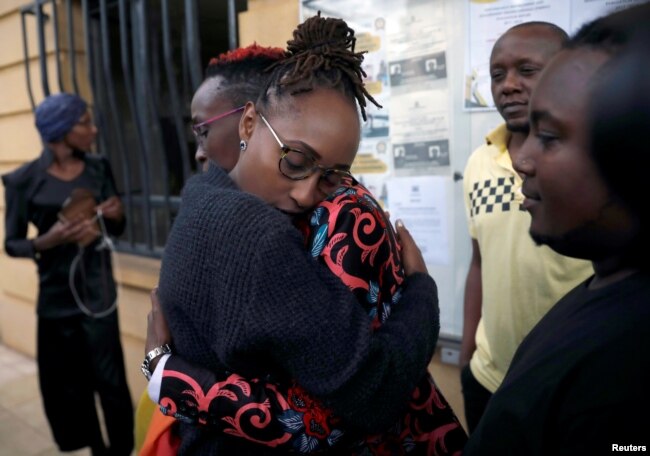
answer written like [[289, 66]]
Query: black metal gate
[[143, 61]]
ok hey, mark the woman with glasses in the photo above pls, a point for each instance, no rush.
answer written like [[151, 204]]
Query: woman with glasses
[[237, 286], [78, 345]]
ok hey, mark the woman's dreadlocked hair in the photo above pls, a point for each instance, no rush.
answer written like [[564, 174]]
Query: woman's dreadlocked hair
[[321, 54], [243, 70]]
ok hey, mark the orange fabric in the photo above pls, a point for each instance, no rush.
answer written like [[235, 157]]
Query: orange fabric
[[160, 441], [143, 413]]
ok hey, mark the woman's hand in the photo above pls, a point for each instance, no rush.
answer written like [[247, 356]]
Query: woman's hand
[[411, 255], [77, 230], [111, 208], [157, 330]]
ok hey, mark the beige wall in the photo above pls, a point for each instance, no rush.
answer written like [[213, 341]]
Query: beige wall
[[18, 143], [267, 22]]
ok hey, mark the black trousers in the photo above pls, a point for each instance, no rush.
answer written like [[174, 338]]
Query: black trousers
[[475, 398], [78, 357]]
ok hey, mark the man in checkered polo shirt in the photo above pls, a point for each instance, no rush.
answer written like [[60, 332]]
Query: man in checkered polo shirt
[[511, 282]]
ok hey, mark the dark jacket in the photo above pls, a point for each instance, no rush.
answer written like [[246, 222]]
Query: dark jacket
[[25, 185]]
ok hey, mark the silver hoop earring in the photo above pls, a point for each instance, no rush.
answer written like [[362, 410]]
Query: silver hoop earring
[[242, 145]]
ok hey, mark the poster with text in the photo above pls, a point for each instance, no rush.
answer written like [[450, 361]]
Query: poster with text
[[421, 203], [420, 132], [417, 47]]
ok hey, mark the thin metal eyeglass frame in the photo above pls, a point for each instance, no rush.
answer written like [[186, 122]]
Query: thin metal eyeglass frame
[[286, 149]]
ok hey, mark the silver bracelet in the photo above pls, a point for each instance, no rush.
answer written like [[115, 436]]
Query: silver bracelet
[[153, 354]]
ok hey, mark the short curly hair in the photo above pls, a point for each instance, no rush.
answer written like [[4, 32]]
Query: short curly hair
[[243, 71]]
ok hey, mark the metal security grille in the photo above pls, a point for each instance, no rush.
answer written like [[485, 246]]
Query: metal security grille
[[142, 61]]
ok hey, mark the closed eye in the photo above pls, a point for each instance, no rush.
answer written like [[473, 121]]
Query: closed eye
[[546, 140], [200, 132], [497, 75], [296, 159], [528, 70]]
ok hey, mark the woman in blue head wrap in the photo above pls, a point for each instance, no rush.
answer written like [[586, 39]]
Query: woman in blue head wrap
[[78, 346]]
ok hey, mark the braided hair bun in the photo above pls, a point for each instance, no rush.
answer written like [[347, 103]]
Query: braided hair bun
[[321, 54]]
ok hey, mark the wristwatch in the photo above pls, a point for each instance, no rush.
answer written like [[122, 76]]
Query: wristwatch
[[153, 354]]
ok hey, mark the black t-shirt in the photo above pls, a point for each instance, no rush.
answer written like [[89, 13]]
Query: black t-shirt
[[90, 270], [578, 383]]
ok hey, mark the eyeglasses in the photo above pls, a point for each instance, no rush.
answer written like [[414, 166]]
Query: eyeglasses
[[200, 129], [298, 165]]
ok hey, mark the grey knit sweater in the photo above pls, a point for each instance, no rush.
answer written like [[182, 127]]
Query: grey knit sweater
[[241, 294]]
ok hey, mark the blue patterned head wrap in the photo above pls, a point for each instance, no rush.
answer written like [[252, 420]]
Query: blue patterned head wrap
[[57, 114]]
